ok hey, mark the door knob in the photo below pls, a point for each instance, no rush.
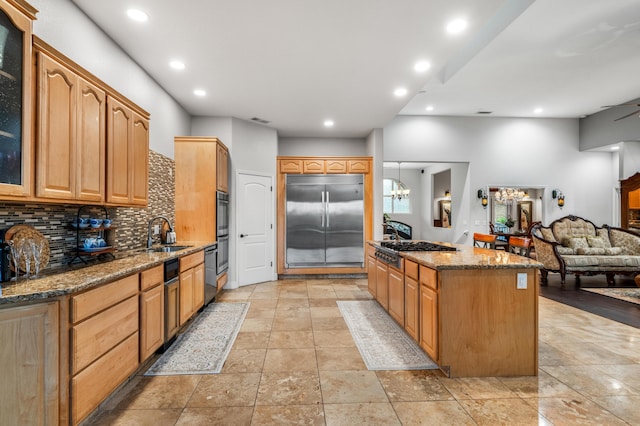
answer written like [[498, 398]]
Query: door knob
[[243, 235]]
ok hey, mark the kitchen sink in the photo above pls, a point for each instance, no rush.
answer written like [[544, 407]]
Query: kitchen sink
[[168, 248]]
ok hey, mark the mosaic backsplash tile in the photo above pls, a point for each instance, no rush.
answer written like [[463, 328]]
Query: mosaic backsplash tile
[[129, 224]]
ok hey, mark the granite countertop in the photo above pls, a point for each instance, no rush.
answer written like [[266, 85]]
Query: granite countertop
[[466, 257], [72, 279]]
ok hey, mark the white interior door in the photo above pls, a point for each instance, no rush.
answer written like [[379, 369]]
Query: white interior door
[[255, 229]]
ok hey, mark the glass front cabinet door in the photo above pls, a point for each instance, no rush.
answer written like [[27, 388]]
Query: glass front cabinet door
[[16, 18]]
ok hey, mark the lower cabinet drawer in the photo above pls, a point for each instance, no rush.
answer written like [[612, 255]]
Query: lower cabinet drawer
[[92, 338], [97, 381]]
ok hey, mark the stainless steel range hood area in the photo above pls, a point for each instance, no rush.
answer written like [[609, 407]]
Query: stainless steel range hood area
[[324, 221]]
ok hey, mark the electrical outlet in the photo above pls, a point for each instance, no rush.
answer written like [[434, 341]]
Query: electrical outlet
[[522, 281], [156, 229]]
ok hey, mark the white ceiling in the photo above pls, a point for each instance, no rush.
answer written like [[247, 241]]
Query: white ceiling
[[296, 63]]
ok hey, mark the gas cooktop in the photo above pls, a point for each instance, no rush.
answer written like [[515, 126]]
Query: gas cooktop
[[415, 246]]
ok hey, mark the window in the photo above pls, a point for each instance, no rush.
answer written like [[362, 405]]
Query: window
[[394, 205]]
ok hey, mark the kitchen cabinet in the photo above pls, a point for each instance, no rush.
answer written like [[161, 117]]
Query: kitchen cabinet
[[221, 281], [336, 166], [16, 77], [127, 155], [371, 272], [313, 166], [396, 295], [196, 165], [290, 166], [151, 311], [222, 168], [172, 310], [70, 143], [104, 342], [429, 316], [411, 299], [382, 284], [29, 393], [191, 293], [358, 166]]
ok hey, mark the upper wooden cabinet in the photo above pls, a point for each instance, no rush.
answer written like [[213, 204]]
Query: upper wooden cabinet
[[322, 165], [70, 141], [127, 155], [222, 167], [16, 76]]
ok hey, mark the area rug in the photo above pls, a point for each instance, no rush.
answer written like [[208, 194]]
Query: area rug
[[204, 346], [382, 343], [629, 294]]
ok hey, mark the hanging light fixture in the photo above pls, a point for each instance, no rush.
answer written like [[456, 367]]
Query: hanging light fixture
[[401, 191], [509, 195]]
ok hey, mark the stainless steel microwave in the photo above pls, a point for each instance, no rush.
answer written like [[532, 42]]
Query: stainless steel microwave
[[222, 214]]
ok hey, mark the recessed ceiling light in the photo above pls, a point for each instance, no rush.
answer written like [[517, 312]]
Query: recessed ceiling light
[[328, 123], [137, 15], [429, 108], [421, 66], [456, 26], [199, 92], [538, 110], [400, 91], [177, 65]]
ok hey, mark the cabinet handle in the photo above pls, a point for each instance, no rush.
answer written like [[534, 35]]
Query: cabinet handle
[[244, 235]]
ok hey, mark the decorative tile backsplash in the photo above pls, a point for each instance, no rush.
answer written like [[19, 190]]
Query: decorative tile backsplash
[[129, 224]]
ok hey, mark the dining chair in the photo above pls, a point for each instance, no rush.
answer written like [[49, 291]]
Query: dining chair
[[484, 240], [501, 241], [520, 246]]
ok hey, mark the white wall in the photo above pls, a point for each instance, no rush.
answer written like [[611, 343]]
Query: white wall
[[61, 24], [541, 153], [375, 150], [326, 147], [412, 179]]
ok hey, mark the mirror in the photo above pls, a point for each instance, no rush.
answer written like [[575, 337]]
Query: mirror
[[442, 199], [514, 215]]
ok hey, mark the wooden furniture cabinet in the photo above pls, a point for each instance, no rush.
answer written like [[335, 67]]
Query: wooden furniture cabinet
[[70, 142], [198, 161], [29, 394], [382, 284], [429, 319], [191, 294], [17, 102], [313, 166], [222, 167], [151, 311], [172, 310], [127, 154], [371, 270], [630, 203], [104, 342], [336, 166], [411, 299], [396, 295]]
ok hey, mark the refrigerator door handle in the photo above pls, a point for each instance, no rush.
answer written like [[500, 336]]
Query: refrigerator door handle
[[322, 214], [327, 209]]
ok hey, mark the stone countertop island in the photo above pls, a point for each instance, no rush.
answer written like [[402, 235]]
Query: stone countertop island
[[474, 311]]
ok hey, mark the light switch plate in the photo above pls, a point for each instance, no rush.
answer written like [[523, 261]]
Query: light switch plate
[[522, 281]]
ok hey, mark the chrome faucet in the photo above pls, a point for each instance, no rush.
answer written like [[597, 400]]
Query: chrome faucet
[[149, 236]]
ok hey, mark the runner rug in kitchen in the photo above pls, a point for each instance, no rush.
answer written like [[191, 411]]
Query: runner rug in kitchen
[[204, 346], [382, 343]]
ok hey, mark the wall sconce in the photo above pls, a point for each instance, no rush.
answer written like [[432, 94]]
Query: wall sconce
[[447, 194], [483, 196], [557, 194]]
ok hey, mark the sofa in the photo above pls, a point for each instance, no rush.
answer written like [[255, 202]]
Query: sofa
[[573, 245]]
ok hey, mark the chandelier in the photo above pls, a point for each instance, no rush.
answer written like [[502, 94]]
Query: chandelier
[[508, 195], [400, 191]]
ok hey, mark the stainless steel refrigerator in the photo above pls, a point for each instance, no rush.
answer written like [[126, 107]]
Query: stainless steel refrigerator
[[325, 221]]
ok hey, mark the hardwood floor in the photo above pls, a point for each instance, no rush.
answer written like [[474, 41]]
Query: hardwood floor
[[607, 307]]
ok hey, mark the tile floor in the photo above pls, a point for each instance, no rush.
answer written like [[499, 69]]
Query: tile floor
[[294, 362]]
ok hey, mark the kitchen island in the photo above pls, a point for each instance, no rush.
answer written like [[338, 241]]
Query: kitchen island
[[474, 311]]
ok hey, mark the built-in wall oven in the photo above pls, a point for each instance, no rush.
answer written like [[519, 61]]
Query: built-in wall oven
[[222, 232]]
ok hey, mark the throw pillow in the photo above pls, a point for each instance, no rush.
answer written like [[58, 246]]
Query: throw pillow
[[590, 250], [605, 237], [565, 250], [613, 251], [578, 242], [595, 241]]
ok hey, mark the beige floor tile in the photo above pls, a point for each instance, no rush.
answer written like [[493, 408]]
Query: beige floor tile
[[226, 390], [550, 355], [291, 339], [312, 415], [541, 386], [256, 324], [440, 413], [158, 417], [333, 339], [289, 388], [263, 304], [291, 360], [379, 413], [340, 387], [266, 313], [415, 385], [292, 312], [573, 411], [228, 416], [589, 380], [339, 359], [593, 354], [625, 407], [477, 388], [321, 294], [292, 303], [160, 392], [322, 303], [252, 340], [503, 412], [628, 374], [273, 294], [292, 323], [235, 296], [325, 312], [328, 324], [244, 361]]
